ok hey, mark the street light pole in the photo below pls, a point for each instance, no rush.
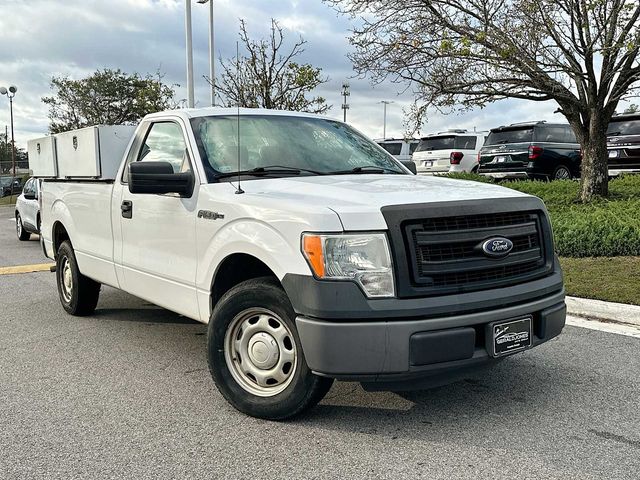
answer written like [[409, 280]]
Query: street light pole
[[189, 41], [345, 105], [11, 92], [212, 60], [384, 121], [13, 140]]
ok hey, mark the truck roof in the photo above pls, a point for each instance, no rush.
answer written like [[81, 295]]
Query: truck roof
[[188, 113]]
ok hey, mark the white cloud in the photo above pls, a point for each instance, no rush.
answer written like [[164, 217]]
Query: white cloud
[[42, 38]]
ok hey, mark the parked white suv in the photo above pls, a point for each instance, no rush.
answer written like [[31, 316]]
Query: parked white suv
[[28, 210], [450, 151], [401, 149]]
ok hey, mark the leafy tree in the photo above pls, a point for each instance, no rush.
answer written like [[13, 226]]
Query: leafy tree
[[6, 162], [633, 108], [267, 77], [459, 54], [106, 97]]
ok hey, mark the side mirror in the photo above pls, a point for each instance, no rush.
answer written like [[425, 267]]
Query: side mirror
[[30, 195], [411, 165], [158, 177]]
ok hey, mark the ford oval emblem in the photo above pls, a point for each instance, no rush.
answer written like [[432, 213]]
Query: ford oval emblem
[[497, 247]]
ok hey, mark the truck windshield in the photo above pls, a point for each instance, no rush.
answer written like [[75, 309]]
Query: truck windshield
[[312, 145], [520, 135]]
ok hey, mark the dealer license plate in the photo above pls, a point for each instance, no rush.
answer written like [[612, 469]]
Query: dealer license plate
[[499, 159], [510, 337], [427, 163]]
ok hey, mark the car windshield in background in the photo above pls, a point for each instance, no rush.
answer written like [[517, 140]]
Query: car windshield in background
[[436, 143], [458, 142], [500, 137], [267, 141], [392, 148], [628, 127]]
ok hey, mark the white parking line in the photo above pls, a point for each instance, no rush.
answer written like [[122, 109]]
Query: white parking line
[[609, 327]]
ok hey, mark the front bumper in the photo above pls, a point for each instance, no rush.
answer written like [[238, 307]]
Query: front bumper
[[413, 343], [615, 172], [400, 351]]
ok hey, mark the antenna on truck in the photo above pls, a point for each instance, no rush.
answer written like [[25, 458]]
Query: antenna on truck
[[239, 189]]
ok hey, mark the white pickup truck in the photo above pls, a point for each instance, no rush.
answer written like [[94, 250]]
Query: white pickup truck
[[311, 253]]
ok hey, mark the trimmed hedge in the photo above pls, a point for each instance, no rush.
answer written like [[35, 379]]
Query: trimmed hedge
[[603, 228]]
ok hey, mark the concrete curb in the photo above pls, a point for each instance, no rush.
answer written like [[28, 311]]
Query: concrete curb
[[613, 312]]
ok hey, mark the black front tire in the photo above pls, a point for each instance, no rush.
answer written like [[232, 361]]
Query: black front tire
[[78, 294], [301, 391], [23, 235]]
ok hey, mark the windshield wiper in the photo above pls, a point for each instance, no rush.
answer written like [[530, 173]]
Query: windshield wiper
[[365, 169], [269, 170], [613, 134]]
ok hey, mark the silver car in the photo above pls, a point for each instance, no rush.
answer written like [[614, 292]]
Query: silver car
[[28, 210]]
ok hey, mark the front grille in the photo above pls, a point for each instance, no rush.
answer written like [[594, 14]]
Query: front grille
[[488, 275], [474, 221], [444, 254], [439, 253]]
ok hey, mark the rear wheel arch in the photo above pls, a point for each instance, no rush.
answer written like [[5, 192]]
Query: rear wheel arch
[[59, 235]]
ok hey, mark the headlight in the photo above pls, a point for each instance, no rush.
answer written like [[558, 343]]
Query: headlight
[[362, 258]]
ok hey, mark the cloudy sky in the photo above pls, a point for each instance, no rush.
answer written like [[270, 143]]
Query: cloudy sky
[[42, 38]]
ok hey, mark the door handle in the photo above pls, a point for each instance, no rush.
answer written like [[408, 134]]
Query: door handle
[[127, 209]]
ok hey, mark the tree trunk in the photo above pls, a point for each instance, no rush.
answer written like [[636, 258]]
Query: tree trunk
[[595, 174]]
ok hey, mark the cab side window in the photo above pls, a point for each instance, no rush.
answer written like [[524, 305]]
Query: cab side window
[[165, 143]]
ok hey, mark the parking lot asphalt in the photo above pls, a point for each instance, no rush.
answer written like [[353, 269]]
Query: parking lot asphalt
[[127, 393]]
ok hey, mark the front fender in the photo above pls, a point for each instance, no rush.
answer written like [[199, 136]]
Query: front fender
[[251, 237]]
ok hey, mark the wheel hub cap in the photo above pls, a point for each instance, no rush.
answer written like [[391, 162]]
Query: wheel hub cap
[[67, 280], [260, 352], [263, 350]]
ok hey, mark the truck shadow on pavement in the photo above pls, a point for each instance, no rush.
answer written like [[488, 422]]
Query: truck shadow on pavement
[[517, 390], [121, 307], [513, 393]]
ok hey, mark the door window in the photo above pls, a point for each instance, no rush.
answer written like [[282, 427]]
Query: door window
[[165, 143], [28, 187]]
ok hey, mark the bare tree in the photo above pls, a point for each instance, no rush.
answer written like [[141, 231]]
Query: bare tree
[[459, 54], [268, 78]]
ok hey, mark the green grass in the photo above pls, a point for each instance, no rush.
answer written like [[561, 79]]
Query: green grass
[[8, 200], [611, 279]]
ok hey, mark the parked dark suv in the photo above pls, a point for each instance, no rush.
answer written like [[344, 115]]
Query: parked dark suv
[[10, 186], [536, 150], [623, 142]]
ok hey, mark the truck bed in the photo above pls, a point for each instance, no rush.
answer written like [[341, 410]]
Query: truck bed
[[83, 206]]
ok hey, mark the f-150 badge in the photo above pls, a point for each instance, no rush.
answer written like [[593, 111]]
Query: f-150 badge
[[210, 215]]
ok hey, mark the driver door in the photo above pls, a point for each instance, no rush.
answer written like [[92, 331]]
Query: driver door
[[158, 257]]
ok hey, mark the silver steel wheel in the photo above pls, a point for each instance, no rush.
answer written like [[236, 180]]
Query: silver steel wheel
[[260, 352], [563, 173], [19, 225], [66, 279]]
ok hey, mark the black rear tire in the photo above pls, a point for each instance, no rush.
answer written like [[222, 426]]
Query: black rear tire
[[561, 172], [301, 390], [23, 235], [78, 294]]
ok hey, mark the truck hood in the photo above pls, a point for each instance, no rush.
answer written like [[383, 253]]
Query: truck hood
[[357, 199]]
